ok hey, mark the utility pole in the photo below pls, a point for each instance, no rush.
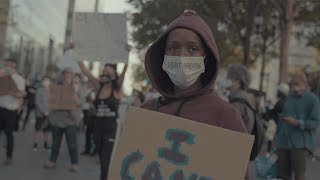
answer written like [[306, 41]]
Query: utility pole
[[68, 36], [96, 6], [96, 10]]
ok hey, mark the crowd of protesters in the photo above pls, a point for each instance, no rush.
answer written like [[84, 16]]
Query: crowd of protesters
[[288, 128]]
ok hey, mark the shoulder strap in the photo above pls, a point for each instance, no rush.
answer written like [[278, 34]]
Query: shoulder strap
[[242, 101], [98, 92], [245, 102], [179, 108]]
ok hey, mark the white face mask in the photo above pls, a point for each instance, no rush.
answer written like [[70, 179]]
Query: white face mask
[[183, 71], [46, 83], [226, 83]]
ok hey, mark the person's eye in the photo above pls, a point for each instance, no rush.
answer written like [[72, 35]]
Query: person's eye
[[173, 48], [194, 49]]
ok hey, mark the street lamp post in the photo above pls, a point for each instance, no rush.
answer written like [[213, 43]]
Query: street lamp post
[[68, 36]]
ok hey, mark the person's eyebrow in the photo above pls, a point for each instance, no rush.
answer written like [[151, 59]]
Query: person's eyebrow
[[173, 42], [194, 43], [191, 42]]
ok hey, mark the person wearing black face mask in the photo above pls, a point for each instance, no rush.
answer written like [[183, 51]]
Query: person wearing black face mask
[[108, 88], [105, 79]]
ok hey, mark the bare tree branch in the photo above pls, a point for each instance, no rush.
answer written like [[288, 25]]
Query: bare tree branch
[[275, 4], [233, 19], [273, 41]]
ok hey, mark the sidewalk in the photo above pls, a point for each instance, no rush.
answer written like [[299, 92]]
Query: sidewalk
[[28, 164]]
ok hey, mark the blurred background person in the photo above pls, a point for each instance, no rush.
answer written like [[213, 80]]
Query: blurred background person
[[138, 98], [65, 122], [29, 101], [283, 92], [108, 96], [296, 135], [9, 106], [275, 113], [237, 82], [88, 122], [42, 99], [152, 94]]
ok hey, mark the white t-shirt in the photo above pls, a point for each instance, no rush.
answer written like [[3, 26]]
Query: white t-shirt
[[10, 102]]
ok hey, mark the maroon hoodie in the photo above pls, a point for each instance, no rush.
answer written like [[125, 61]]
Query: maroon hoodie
[[204, 105]]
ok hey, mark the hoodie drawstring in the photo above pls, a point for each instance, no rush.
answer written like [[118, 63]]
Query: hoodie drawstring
[[179, 108]]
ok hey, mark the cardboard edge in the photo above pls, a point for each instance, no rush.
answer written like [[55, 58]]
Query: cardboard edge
[[134, 109]]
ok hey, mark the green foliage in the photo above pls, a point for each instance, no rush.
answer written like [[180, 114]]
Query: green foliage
[[232, 23], [306, 15]]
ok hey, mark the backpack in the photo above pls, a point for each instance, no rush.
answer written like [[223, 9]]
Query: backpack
[[258, 128]]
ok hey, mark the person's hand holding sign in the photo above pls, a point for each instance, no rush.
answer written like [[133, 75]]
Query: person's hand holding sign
[[291, 121], [129, 47]]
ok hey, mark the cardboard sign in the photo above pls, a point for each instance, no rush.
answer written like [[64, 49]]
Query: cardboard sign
[[67, 61], [158, 146], [62, 98], [7, 85], [100, 37]]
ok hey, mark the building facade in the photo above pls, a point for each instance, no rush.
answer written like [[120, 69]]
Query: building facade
[[34, 33]]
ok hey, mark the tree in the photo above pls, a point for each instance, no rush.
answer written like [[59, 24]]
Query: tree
[[150, 20], [232, 23], [293, 12]]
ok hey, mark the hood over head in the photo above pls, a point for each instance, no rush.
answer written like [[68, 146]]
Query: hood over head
[[155, 56]]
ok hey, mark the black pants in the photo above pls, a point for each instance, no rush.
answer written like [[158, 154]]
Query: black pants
[[42, 124], [292, 161], [89, 123], [104, 135], [30, 108], [7, 124]]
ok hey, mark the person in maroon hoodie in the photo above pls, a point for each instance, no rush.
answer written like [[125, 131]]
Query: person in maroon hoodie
[[182, 64]]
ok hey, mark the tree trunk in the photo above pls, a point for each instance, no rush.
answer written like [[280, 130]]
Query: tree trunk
[[249, 28], [286, 31]]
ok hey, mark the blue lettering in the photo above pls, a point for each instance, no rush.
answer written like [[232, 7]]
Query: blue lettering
[[128, 162], [173, 154]]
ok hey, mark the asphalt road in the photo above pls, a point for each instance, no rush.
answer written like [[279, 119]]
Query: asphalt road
[[28, 164]]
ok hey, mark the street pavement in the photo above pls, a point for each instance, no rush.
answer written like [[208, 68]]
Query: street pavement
[[313, 166], [28, 165]]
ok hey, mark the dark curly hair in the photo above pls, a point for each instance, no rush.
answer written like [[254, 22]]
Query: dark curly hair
[[115, 84]]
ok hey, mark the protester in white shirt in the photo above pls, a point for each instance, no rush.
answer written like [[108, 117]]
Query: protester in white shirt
[[9, 104]]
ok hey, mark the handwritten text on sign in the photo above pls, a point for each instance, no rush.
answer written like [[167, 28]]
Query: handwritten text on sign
[[172, 155], [156, 146]]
